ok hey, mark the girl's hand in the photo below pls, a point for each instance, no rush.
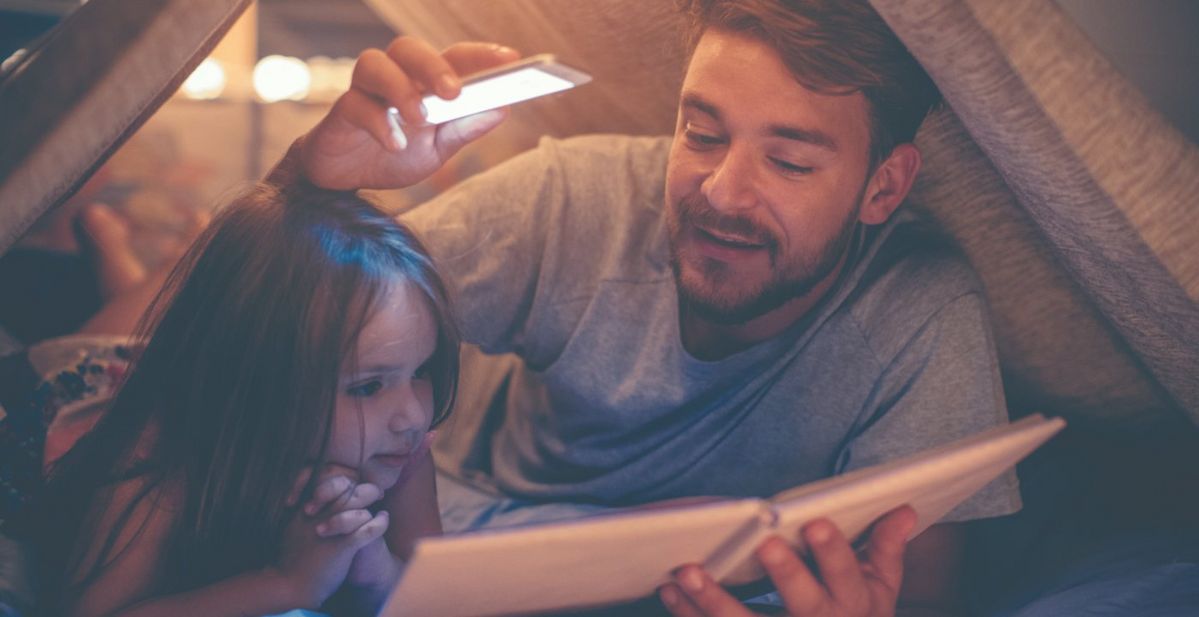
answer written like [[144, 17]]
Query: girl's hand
[[325, 535], [358, 146]]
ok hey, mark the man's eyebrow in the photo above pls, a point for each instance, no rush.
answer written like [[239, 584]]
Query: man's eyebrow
[[697, 102], [814, 137]]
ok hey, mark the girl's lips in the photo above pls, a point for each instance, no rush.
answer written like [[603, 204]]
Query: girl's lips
[[392, 460]]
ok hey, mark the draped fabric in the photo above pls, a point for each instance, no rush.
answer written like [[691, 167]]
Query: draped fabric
[[1070, 195]]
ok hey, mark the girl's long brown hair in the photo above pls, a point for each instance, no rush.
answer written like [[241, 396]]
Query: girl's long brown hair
[[234, 392]]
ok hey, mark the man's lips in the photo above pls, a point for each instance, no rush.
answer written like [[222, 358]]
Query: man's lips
[[727, 241]]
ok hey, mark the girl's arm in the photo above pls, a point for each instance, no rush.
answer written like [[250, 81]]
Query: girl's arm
[[310, 570], [411, 506]]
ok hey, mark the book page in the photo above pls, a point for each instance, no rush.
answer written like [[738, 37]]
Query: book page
[[933, 482], [593, 561]]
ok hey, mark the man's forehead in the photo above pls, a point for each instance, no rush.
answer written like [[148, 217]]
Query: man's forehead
[[736, 74]]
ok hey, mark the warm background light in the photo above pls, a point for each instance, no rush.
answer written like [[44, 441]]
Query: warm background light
[[280, 78], [207, 81]]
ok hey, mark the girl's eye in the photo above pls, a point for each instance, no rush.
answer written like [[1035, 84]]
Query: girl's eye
[[365, 389], [424, 372]]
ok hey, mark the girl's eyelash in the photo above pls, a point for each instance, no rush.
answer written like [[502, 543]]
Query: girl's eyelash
[[423, 372], [365, 389]]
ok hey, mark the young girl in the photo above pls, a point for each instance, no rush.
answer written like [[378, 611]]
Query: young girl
[[268, 449]]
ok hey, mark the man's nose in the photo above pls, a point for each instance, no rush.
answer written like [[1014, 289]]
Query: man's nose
[[732, 184]]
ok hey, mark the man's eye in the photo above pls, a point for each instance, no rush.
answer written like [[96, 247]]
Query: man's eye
[[791, 168], [699, 138], [365, 389]]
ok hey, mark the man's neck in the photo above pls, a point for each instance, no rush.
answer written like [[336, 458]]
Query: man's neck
[[710, 341]]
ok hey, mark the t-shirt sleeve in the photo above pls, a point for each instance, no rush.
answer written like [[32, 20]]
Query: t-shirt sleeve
[[942, 385], [487, 236]]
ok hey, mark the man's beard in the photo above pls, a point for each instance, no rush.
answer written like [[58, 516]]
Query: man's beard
[[789, 280]]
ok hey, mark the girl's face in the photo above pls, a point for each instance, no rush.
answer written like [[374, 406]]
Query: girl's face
[[385, 397]]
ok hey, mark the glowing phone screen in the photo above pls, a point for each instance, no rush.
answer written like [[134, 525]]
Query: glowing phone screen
[[498, 91]]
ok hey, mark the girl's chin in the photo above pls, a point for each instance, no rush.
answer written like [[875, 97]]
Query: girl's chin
[[382, 477]]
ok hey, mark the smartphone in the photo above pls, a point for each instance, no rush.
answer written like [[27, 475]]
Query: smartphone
[[504, 85]]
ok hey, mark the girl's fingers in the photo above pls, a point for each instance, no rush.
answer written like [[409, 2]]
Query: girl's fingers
[[377, 75], [371, 530], [343, 523], [362, 495], [297, 488], [329, 492], [472, 57]]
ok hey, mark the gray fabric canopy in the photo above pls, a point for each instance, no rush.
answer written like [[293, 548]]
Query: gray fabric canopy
[[100, 74], [1070, 194]]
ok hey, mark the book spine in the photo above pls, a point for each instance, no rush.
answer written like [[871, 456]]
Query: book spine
[[732, 563]]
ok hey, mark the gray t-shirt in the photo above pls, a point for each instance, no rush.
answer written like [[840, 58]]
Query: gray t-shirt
[[559, 261]]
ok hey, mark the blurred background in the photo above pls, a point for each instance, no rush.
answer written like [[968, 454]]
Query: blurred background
[[284, 63]]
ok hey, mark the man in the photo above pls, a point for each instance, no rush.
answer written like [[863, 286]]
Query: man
[[736, 311]]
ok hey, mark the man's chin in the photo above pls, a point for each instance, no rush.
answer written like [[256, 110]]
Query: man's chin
[[716, 307]]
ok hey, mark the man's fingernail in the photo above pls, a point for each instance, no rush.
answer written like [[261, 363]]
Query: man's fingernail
[[773, 554], [398, 139], [691, 580], [670, 597], [819, 534], [446, 83]]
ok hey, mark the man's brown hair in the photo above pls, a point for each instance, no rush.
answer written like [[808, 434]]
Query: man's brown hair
[[833, 47]]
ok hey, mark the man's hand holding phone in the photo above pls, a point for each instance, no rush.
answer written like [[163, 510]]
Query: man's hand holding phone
[[410, 108]]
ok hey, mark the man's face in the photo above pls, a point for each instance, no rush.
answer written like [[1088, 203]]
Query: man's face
[[764, 181]]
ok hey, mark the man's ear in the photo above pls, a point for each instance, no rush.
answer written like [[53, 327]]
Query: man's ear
[[890, 184]]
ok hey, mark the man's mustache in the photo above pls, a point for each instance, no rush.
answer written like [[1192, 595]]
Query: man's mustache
[[696, 211]]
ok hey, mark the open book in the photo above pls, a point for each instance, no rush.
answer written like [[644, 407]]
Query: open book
[[627, 555]]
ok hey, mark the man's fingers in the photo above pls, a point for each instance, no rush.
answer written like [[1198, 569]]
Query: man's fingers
[[343, 523], [472, 57], [707, 596], [888, 538], [802, 594], [452, 136], [426, 66], [363, 111], [376, 74], [839, 567], [677, 602]]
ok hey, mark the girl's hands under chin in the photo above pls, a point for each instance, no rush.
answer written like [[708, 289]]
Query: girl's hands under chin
[[324, 536]]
